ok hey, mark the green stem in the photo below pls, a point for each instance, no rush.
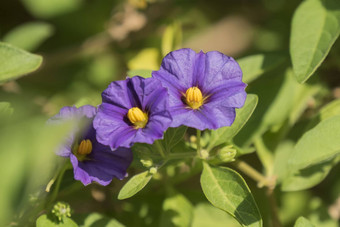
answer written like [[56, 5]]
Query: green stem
[[182, 155], [54, 194], [198, 141], [265, 156], [253, 173], [160, 148]]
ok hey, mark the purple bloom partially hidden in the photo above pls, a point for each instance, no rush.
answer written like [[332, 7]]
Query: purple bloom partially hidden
[[91, 160], [204, 88], [133, 110]]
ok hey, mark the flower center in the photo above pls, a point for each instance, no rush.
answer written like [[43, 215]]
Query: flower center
[[194, 97], [137, 117], [84, 148]]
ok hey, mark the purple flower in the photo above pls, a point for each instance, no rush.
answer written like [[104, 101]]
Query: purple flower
[[133, 110], [91, 160], [204, 88]]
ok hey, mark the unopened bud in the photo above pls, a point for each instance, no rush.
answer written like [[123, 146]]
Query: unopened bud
[[227, 154], [146, 162], [61, 210], [153, 170], [204, 154]]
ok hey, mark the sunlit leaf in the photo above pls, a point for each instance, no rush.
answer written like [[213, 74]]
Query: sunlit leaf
[[15, 62], [317, 145], [315, 27], [134, 185], [207, 215], [227, 190]]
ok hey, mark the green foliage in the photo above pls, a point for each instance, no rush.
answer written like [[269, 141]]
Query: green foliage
[[303, 222], [254, 66], [207, 215], [46, 221], [227, 190], [146, 73], [323, 137], [29, 36], [5, 109], [177, 211], [315, 27], [173, 136], [12, 57], [225, 134], [52, 8], [172, 38], [96, 219], [134, 185]]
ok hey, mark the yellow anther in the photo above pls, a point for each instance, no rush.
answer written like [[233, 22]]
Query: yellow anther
[[85, 147], [137, 117], [194, 97]]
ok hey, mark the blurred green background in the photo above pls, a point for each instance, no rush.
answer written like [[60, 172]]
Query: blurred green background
[[86, 44]]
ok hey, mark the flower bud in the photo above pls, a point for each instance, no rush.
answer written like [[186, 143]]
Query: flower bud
[[153, 170], [227, 154], [147, 162], [61, 210]]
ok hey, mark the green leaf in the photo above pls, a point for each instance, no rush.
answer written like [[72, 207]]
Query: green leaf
[[315, 27], [308, 177], [147, 58], [317, 145], [225, 134], [46, 221], [303, 222], [177, 211], [254, 66], [146, 73], [207, 215], [172, 38], [29, 36], [173, 136], [15, 62], [134, 185], [96, 219], [226, 189], [51, 8]]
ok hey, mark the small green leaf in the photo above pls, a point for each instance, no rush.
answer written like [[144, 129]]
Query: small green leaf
[[177, 211], [173, 136], [254, 66], [146, 73], [303, 222], [317, 145], [46, 221], [29, 36], [207, 215], [134, 185], [227, 190], [225, 134], [15, 62], [315, 27]]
